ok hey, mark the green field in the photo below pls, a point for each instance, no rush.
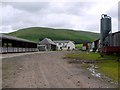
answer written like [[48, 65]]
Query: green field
[[108, 67], [79, 46], [39, 33]]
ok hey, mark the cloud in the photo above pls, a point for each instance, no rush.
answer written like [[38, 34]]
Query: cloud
[[5, 29], [72, 15], [113, 12], [27, 6]]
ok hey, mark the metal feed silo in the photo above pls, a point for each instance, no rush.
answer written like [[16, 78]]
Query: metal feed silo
[[105, 27]]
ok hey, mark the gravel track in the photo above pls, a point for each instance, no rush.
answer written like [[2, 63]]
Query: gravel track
[[47, 70]]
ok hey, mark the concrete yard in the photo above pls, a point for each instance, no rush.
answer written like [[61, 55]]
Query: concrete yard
[[46, 70]]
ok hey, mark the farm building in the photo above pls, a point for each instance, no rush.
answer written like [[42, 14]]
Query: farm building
[[112, 43], [109, 42], [14, 44], [95, 45], [114, 39], [85, 46], [65, 45], [46, 45]]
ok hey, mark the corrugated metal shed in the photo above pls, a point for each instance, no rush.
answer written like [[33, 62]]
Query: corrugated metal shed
[[116, 39]]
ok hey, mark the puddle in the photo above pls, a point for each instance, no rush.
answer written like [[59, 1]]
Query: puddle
[[93, 69]]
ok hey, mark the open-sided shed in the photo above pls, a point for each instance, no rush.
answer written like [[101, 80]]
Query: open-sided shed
[[14, 44]]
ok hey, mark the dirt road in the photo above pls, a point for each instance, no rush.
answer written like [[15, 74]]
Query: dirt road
[[47, 70]]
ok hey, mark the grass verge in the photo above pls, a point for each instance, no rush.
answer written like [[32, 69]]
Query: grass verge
[[108, 67]]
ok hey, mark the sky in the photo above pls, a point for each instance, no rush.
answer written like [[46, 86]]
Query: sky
[[59, 14]]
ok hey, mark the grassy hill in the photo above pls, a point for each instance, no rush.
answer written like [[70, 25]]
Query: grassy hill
[[39, 33]]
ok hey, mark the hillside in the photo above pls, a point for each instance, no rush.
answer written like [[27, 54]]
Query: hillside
[[39, 33]]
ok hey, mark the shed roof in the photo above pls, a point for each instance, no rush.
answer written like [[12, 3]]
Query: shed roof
[[2, 36], [47, 41], [116, 32]]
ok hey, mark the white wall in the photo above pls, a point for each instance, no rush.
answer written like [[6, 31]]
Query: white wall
[[93, 45], [65, 45], [71, 45]]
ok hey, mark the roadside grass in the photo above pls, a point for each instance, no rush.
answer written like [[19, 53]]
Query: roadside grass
[[109, 68], [108, 65], [84, 55]]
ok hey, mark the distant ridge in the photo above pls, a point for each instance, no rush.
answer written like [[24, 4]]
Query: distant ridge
[[39, 33]]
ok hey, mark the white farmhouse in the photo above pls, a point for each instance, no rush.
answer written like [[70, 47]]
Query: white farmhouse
[[65, 45]]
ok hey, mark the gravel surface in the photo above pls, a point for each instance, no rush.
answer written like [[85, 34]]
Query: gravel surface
[[46, 70]]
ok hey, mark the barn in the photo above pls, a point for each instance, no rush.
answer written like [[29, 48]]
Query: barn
[[95, 45], [84, 46], [13, 44], [46, 45], [112, 43]]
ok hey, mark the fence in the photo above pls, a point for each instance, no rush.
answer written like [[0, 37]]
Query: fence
[[16, 49]]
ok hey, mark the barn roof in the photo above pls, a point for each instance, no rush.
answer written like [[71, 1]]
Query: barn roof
[[47, 41], [116, 32], [2, 36]]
